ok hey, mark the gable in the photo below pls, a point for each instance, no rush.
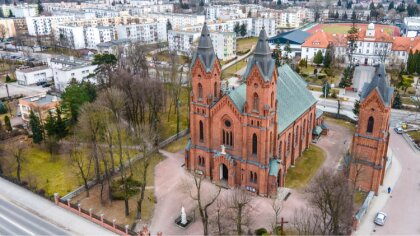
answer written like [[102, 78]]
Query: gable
[[373, 100]]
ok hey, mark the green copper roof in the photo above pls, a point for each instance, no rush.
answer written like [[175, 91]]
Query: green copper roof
[[292, 95], [274, 167]]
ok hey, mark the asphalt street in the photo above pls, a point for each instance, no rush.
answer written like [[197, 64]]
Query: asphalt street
[[15, 220]]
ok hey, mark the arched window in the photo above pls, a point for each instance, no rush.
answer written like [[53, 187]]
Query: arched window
[[200, 91], [370, 125], [272, 99], [215, 90], [280, 149], [289, 139], [296, 134], [303, 127], [201, 131], [271, 142], [254, 144], [255, 102], [253, 177]]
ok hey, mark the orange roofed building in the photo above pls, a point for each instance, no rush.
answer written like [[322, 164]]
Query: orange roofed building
[[250, 135], [374, 44]]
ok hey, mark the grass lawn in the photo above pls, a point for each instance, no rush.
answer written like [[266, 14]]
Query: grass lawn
[[244, 44], [168, 119], [341, 122], [164, 56], [178, 145], [306, 167], [338, 29], [415, 135], [359, 198], [231, 71]]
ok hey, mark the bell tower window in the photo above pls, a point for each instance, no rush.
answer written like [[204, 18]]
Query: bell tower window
[[254, 144], [255, 102], [201, 131], [200, 91], [370, 124]]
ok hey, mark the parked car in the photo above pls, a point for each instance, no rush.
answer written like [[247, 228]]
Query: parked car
[[46, 85], [39, 83], [380, 218], [399, 130]]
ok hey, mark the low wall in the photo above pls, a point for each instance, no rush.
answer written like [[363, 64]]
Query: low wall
[[87, 214], [362, 210]]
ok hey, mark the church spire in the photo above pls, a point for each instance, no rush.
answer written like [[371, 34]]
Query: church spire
[[205, 49], [262, 57]]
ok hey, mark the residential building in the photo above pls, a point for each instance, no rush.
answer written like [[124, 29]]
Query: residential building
[[41, 105], [184, 42], [294, 38], [71, 36], [263, 23], [151, 32], [411, 27], [249, 136], [43, 25], [19, 10], [116, 47], [179, 21], [32, 75], [369, 159], [319, 41], [9, 27], [67, 68]]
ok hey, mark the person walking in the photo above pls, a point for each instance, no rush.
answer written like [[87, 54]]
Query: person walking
[[389, 190]]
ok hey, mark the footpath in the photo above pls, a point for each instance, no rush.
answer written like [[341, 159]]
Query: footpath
[[48, 211], [366, 226]]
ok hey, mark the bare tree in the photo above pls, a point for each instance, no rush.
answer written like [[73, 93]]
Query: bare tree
[[138, 63], [219, 220], [3, 32], [18, 152], [277, 206], [331, 197], [305, 222], [203, 196], [239, 202], [91, 126], [81, 162]]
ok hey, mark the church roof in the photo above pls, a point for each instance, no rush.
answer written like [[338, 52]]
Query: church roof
[[262, 58], [292, 95], [379, 83], [205, 51]]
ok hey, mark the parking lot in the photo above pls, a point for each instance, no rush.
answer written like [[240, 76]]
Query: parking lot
[[16, 89]]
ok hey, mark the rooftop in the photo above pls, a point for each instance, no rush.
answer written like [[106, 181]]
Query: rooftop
[[41, 99], [33, 69]]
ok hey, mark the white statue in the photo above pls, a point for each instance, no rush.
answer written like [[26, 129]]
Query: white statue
[[183, 216], [223, 149]]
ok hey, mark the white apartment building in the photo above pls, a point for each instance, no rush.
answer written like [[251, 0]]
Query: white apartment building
[[99, 12], [66, 68], [142, 10], [146, 32], [184, 42], [32, 75], [268, 24], [98, 34], [411, 26], [43, 25], [179, 21], [9, 26], [71, 36], [226, 26], [20, 11]]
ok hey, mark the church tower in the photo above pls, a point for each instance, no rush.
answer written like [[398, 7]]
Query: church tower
[[370, 141], [260, 106], [205, 72]]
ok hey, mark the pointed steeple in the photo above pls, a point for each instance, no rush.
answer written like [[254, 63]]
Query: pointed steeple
[[205, 49], [381, 84], [262, 57]]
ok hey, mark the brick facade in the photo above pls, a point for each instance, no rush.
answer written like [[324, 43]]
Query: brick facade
[[237, 147]]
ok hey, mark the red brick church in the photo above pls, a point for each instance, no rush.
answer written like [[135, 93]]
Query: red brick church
[[370, 141], [250, 135]]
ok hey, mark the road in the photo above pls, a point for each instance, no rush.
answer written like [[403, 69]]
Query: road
[[15, 220], [402, 208], [25, 213], [16, 89]]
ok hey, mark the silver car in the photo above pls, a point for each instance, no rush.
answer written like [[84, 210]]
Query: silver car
[[380, 218]]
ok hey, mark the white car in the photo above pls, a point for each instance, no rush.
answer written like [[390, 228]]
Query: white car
[[380, 218]]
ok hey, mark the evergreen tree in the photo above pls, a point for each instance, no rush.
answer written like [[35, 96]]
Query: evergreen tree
[[326, 89], [35, 124], [40, 7], [318, 58], [8, 79], [411, 63], [397, 104], [336, 16], [7, 123], [50, 125], [346, 80], [249, 14], [339, 3], [391, 5], [349, 4], [356, 107], [168, 26], [353, 15], [237, 28], [417, 61], [412, 10], [401, 7], [345, 16], [329, 56], [243, 30], [3, 108], [286, 55], [60, 125], [11, 14], [372, 6], [75, 95]]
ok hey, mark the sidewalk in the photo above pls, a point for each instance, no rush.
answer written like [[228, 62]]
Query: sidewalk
[[49, 211], [367, 226]]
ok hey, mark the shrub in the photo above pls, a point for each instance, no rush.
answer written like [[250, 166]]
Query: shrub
[[315, 71], [334, 94], [118, 188], [260, 231], [411, 90], [410, 76], [329, 71], [8, 79], [3, 108], [41, 192], [322, 76]]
